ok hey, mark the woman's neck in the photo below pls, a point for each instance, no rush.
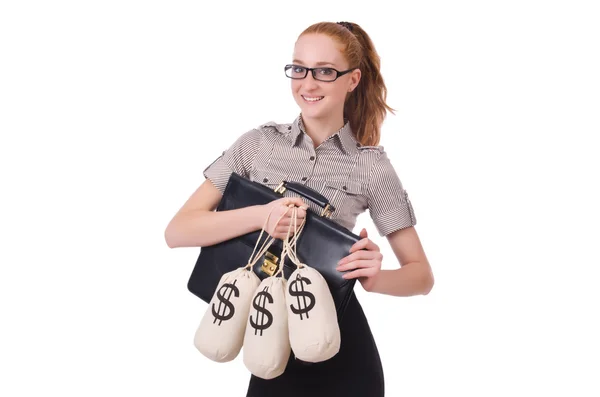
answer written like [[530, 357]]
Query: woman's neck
[[320, 129]]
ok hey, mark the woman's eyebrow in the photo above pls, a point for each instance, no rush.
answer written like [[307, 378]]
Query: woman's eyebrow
[[318, 63], [325, 63]]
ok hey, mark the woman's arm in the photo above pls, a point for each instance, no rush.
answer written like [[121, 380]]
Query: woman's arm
[[196, 224], [414, 277]]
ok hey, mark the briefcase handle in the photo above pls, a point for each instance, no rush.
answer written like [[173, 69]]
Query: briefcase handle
[[308, 193]]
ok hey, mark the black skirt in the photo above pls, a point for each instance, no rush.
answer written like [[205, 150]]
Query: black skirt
[[355, 371]]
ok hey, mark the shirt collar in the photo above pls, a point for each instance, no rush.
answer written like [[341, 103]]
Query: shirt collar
[[344, 136]]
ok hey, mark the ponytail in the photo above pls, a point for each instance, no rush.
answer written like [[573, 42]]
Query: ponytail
[[365, 106]]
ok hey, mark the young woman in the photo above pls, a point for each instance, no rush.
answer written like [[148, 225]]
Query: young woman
[[332, 148]]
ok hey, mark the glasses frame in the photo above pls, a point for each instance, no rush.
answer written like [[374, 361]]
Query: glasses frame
[[314, 73]]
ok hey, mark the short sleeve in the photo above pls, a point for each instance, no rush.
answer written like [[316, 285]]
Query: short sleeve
[[388, 202], [238, 158]]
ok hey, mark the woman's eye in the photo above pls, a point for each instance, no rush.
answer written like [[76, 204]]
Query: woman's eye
[[298, 69], [326, 71]]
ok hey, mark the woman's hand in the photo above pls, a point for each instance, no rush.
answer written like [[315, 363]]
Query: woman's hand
[[279, 207], [364, 261]]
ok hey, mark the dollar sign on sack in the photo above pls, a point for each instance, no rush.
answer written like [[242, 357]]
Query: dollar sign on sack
[[259, 305], [228, 308], [299, 292]]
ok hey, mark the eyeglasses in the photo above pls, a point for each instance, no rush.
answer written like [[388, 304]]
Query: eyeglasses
[[298, 72]]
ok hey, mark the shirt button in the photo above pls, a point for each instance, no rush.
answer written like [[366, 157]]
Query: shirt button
[[266, 180], [344, 187], [312, 158], [304, 178], [289, 128]]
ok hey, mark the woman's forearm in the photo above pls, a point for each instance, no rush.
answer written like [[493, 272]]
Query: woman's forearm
[[200, 228], [409, 280]]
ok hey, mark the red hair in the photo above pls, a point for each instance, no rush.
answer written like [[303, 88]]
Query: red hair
[[365, 106]]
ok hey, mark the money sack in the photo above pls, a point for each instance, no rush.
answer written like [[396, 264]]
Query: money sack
[[266, 342], [312, 318], [220, 334]]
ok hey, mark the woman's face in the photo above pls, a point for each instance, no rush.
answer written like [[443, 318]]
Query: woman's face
[[320, 99]]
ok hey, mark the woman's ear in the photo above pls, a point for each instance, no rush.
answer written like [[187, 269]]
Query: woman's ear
[[354, 79]]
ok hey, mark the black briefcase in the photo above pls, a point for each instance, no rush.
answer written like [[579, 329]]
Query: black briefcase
[[321, 244]]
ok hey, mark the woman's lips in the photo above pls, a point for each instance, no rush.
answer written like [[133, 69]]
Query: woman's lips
[[312, 99]]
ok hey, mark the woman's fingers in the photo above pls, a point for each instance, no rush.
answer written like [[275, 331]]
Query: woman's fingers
[[297, 201], [282, 219], [284, 229], [289, 221], [289, 218]]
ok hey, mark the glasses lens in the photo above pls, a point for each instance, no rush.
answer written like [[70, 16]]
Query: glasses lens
[[325, 74], [295, 72]]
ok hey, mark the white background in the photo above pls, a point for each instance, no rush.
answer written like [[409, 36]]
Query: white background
[[109, 112]]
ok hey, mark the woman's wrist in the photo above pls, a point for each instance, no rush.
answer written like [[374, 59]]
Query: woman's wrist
[[257, 216]]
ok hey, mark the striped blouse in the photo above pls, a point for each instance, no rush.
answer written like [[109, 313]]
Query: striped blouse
[[352, 177]]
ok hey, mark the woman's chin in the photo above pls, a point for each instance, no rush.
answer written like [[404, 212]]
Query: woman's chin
[[312, 113]]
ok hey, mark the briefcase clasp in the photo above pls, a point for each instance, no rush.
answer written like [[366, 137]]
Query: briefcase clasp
[[269, 265], [326, 211], [280, 188]]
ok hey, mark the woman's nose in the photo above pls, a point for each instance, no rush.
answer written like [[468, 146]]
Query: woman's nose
[[310, 81]]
